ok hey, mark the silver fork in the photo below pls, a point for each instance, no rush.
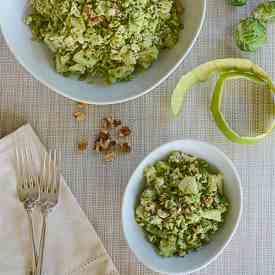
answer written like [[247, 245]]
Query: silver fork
[[27, 190], [49, 192]]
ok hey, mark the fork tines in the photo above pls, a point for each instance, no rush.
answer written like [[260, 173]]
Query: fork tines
[[50, 178]]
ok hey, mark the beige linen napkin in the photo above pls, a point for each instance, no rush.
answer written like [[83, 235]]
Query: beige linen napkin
[[72, 245]]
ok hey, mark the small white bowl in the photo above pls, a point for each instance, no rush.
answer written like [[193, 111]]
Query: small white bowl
[[37, 59], [194, 261]]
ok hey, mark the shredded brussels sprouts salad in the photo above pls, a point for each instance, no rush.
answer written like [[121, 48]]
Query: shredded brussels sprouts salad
[[182, 204], [251, 33], [105, 38]]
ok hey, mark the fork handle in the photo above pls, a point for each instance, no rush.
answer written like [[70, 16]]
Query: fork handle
[[42, 244], [34, 252]]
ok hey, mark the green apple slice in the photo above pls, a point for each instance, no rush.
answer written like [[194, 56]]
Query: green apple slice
[[205, 71], [218, 116]]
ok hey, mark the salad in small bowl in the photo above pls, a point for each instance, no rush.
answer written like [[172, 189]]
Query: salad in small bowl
[[181, 207]]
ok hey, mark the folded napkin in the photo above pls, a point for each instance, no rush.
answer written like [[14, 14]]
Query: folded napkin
[[72, 245]]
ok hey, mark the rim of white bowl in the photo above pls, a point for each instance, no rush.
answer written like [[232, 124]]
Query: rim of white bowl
[[233, 167], [44, 82]]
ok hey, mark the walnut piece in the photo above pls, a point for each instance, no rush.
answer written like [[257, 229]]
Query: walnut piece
[[82, 105], [125, 147], [208, 201], [107, 123], [82, 146], [106, 144], [116, 123], [97, 147], [103, 135], [91, 15], [124, 131], [109, 156], [113, 143], [79, 116]]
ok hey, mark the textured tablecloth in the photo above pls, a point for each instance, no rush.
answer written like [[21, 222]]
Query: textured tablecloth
[[99, 186]]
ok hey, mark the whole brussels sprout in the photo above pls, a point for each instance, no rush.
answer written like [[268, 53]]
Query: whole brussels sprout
[[238, 2], [250, 34], [265, 12]]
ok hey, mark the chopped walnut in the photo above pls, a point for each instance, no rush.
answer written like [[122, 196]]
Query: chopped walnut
[[97, 147], [102, 145], [107, 123], [124, 131], [79, 116], [106, 143], [103, 135], [91, 15], [116, 123], [82, 146], [194, 228], [82, 105], [113, 144], [109, 156], [97, 20], [124, 148], [208, 201]]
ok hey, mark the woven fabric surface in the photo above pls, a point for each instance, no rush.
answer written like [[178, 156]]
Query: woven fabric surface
[[99, 186]]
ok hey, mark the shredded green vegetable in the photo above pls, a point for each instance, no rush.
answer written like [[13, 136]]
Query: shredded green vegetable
[[182, 205], [251, 33], [265, 12], [111, 39]]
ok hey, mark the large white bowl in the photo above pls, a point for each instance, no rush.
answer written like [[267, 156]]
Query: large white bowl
[[36, 58], [206, 254]]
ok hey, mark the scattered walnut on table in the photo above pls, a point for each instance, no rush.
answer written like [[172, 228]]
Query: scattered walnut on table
[[124, 147], [113, 143], [82, 105], [97, 147], [106, 143], [109, 123], [103, 135], [109, 156], [116, 123], [82, 146], [79, 113], [124, 131], [79, 116]]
